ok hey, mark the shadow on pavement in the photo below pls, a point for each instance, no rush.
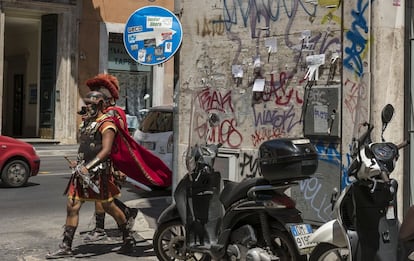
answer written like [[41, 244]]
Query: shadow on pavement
[[103, 248], [111, 245]]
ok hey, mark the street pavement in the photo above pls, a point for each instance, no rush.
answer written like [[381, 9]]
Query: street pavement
[[150, 205], [143, 231]]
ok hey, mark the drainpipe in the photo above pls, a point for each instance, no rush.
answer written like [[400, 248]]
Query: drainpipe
[[176, 102], [408, 104]]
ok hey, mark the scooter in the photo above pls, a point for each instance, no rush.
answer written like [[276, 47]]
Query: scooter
[[254, 219], [366, 225]]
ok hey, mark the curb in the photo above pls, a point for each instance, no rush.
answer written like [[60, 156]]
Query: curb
[[44, 150], [46, 153]]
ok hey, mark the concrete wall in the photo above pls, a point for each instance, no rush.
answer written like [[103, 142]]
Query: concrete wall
[[348, 40]]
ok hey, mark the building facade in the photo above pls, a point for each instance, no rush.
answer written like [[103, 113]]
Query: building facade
[[295, 68], [50, 48]]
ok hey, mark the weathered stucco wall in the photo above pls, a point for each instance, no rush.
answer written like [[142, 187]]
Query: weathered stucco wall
[[294, 45]]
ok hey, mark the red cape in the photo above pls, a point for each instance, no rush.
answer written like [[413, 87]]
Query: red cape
[[137, 162]]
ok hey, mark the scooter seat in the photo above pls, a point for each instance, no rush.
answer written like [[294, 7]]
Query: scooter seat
[[235, 191]]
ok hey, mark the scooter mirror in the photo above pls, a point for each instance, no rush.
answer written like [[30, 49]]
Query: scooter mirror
[[387, 113], [386, 116], [190, 158], [334, 197]]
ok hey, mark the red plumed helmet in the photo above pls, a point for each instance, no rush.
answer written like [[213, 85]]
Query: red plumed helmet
[[106, 81]]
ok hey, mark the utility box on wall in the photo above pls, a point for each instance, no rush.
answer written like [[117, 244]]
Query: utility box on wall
[[321, 112]]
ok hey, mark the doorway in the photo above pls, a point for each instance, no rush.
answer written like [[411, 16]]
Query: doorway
[[13, 96], [21, 59], [30, 51]]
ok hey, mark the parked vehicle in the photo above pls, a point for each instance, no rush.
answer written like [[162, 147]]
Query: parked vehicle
[[155, 132], [249, 220], [366, 225], [18, 161]]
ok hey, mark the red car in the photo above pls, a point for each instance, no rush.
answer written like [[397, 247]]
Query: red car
[[18, 161]]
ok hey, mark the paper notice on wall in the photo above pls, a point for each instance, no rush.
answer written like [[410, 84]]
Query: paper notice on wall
[[256, 62], [305, 37], [313, 62], [237, 71], [318, 59], [259, 85], [271, 44], [320, 118]]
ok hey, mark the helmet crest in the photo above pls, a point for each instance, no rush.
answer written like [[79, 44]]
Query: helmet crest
[[105, 81]]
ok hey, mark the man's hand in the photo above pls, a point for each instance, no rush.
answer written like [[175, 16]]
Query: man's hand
[[72, 163], [119, 176], [80, 168]]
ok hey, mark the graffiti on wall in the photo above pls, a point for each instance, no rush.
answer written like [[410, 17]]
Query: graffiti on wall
[[356, 91], [317, 190], [358, 36], [355, 96], [302, 28]]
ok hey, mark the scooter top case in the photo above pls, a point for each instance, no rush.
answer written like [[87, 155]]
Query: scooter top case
[[287, 159]]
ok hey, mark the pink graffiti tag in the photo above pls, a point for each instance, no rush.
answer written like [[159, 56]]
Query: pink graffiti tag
[[226, 133], [355, 94], [264, 134], [213, 100]]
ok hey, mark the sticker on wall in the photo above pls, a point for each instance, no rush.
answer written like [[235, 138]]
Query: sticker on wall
[[313, 62], [237, 71], [256, 62], [152, 35], [271, 44], [259, 85], [320, 117]]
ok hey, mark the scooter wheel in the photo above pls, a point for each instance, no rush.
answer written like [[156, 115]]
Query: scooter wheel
[[285, 248], [169, 243], [326, 251]]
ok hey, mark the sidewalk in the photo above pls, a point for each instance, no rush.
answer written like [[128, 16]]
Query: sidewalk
[[143, 231], [47, 149], [149, 211]]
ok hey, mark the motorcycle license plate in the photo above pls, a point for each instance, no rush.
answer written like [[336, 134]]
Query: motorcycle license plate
[[301, 233]]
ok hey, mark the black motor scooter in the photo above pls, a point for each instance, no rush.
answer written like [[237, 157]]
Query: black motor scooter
[[249, 220]]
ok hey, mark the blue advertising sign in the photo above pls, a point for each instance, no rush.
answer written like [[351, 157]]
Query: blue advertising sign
[[152, 35]]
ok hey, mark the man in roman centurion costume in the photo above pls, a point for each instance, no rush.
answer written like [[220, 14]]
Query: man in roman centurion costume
[[109, 86], [127, 155], [92, 178]]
